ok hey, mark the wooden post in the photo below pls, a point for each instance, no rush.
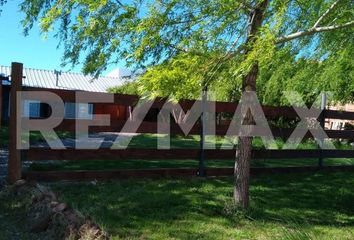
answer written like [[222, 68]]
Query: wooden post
[[322, 123], [14, 166], [201, 172]]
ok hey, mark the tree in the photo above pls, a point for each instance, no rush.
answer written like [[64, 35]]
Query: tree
[[235, 38], [126, 88]]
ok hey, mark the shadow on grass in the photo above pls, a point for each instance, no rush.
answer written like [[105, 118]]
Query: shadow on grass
[[321, 199], [196, 207]]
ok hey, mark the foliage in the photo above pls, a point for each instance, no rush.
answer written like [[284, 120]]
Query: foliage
[[181, 77], [310, 77], [131, 88], [188, 44]]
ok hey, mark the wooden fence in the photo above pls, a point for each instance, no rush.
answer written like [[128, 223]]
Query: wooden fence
[[40, 154]]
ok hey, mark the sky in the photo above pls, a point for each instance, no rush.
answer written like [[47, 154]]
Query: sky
[[34, 51]]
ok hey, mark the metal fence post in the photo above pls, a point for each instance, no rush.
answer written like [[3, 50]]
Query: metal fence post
[[201, 171], [322, 123], [14, 166]]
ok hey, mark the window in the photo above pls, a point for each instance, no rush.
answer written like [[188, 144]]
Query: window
[[84, 111], [78, 111], [70, 111], [32, 109]]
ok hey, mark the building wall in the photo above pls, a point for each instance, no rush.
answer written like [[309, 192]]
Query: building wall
[[338, 124], [117, 112]]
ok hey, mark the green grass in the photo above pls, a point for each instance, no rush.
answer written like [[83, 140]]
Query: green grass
[[34, 137], [12, 217], [4, 136], [176, 141], [192, 142], [303, 206]]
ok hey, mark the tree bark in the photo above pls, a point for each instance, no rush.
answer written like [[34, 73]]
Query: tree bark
[[312, 31], [244, 151]]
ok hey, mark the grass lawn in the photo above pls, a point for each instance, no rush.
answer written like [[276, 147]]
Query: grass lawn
[[4, 136], [34, 137], [283, 206], [12, 215], [192, 142], [287, 206]]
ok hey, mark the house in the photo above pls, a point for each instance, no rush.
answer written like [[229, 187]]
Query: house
[[37, 78], [338, 124]]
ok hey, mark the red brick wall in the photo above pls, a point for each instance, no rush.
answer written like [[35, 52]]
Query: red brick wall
[[116, 112]]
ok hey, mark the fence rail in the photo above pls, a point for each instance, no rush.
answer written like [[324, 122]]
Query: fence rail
[[41, 154], [169, 172]]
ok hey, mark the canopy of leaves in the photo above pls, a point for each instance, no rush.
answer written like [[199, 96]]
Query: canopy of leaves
[[308, 76], [131, 88], [284, 72], [186, 45]]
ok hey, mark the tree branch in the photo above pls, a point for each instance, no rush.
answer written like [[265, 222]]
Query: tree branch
[[326, 13], [312, 31]]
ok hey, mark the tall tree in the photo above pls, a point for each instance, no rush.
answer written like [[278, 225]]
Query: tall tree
[[244, 152], [206, 37]]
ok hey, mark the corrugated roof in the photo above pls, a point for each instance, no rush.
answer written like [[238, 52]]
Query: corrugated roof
[[69, 81]]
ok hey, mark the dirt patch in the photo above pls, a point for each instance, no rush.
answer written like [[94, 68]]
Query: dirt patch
[[47, 218]]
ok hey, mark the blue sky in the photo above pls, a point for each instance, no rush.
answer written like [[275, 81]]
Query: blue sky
[[33, 51]]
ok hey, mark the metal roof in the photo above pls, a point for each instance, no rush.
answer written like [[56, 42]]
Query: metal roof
[[68, 81]]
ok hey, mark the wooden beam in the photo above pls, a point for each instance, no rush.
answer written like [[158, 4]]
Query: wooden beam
[[169, 172], [38, 154], [42, 154], [334, 114], [14, 166]]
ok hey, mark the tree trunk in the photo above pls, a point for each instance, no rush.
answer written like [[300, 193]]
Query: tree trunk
[[244, 151]]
